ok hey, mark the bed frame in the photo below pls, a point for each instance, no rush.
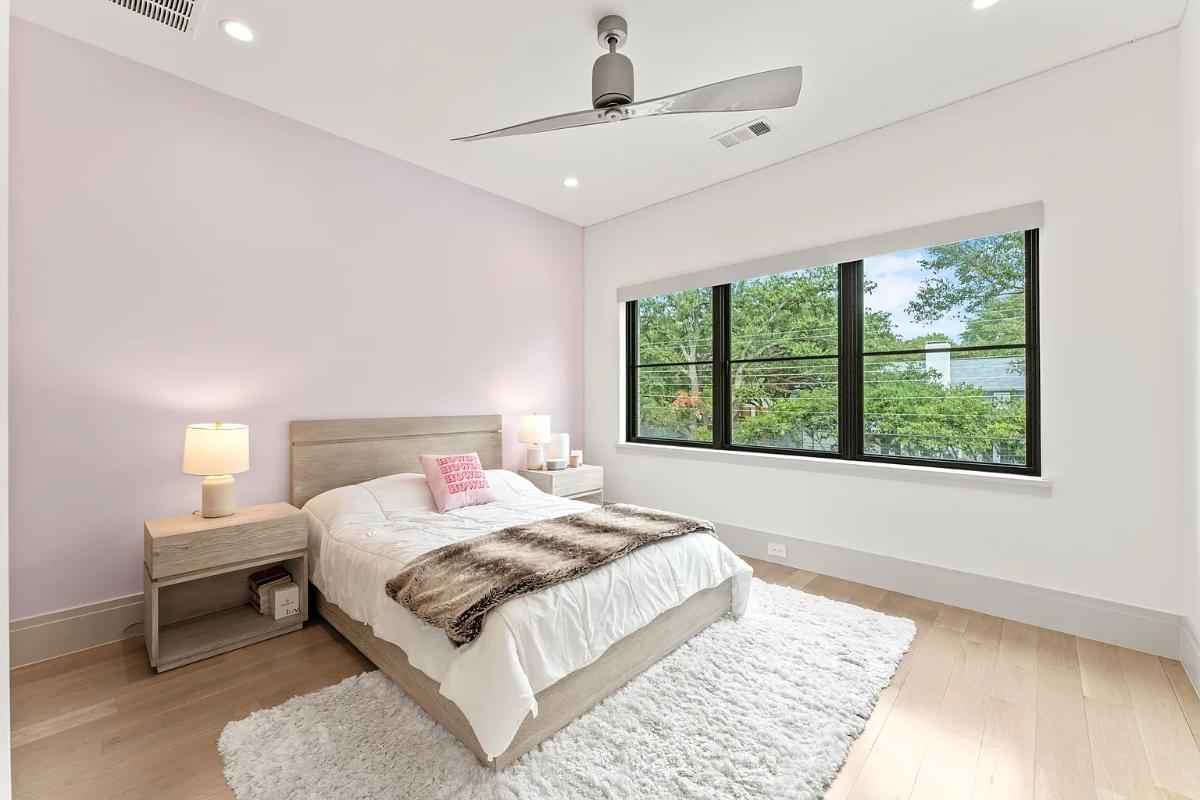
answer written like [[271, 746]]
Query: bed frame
[[326, 454]]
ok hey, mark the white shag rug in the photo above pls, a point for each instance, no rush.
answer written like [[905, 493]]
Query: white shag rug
[[761, 707]]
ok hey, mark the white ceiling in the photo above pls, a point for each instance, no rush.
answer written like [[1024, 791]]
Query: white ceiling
[[405, 77]]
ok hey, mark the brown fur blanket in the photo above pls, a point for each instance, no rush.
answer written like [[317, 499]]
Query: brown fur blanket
[[454, 587]]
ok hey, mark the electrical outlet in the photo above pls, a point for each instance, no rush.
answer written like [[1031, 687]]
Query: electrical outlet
[[777, 550]]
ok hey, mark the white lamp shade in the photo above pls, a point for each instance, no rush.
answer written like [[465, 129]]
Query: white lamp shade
[[535, 429], [216, 448]]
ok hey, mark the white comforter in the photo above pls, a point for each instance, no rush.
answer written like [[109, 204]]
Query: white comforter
[[363, 535]]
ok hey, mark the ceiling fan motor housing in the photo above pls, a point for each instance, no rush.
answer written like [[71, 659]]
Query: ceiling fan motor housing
[[612, 74], [612, 81]]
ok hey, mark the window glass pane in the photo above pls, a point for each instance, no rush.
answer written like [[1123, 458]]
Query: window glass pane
[[966, 293], [944, 405], [675, 402], [777, 316], [786, 404], [673, 328]]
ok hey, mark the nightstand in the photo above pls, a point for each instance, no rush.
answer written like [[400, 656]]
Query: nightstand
[[196, 599], [578, 483]]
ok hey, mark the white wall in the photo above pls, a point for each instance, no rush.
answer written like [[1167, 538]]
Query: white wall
[[1189, 129], [1097, 141]]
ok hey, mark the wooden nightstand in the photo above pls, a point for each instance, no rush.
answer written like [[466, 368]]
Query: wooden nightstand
[[578, 483], [197, 604]]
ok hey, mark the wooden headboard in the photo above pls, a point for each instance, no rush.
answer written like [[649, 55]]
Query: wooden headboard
[[328, 453]]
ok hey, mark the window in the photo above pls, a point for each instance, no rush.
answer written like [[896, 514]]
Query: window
[[674, 366], [783, 366], [926, 356]]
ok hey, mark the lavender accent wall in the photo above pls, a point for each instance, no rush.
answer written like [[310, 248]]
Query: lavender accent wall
[[181, 256]]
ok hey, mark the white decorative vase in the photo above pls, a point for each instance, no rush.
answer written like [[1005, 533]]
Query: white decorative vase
[[560, 446]]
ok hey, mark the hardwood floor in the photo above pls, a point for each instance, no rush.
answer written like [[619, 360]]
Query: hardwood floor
[[980, 707], [102, 724]]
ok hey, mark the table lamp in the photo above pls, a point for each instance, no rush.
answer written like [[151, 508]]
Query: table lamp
[[216, 450], [535, 432]]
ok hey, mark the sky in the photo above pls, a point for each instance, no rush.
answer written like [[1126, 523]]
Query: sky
[[898, 276]]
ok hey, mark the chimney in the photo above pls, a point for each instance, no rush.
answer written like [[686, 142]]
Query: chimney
[[937, 359]]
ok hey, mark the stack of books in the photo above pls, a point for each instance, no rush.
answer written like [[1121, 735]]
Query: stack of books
[[263, 583]]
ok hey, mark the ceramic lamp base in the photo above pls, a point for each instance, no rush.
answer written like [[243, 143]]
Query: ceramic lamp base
[[218, 496], [535, 457]]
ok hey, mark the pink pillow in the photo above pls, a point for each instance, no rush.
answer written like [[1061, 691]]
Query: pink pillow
[[457, 481]]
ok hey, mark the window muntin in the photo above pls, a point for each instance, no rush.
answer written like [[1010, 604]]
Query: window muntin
[[926, 356]]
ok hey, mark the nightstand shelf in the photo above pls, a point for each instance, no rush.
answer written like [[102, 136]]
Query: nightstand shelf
[[585, 482], [195, 577], [218, 632]]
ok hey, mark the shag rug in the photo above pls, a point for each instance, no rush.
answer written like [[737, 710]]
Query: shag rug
[[761, 707]]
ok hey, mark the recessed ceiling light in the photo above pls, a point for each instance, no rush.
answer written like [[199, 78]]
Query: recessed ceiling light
[[237, 30], [980, 5], [570, 183]]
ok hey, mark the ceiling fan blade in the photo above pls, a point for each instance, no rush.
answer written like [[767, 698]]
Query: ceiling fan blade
[[575, 119], [776, 88]]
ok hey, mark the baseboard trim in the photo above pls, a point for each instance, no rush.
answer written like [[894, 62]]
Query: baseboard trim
[[1189, 651], [51, 635], [1145, 629]]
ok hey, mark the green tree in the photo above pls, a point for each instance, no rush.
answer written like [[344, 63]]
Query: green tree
[[676, 401], [785, 403], [801, 421], [1001, 320], [910, 412], [981, 282]]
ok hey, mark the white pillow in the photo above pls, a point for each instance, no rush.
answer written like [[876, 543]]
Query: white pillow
[[402, 492], [341, 504], [507, 485], [405, 491]]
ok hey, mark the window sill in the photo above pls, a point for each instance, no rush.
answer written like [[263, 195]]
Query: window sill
[[902, 472]]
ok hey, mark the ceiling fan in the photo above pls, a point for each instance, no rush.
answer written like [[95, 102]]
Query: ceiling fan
[[612, 92]]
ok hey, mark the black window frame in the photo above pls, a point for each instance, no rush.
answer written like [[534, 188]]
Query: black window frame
[[850, 359]]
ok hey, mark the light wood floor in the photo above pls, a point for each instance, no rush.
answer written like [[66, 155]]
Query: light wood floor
[[980, 707]]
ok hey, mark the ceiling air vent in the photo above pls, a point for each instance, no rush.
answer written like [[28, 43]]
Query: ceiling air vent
[[175, 14], [744, 133]]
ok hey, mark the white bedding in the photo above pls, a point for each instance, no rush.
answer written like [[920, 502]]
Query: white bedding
[[363, 535]]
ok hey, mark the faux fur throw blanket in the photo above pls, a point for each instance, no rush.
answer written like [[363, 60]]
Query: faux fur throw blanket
[[454, 587]]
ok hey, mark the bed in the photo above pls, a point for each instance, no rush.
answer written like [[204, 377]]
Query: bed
[[542, 659]]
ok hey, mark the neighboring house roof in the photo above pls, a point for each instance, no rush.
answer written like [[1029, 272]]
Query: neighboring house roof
[[989, 374]]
